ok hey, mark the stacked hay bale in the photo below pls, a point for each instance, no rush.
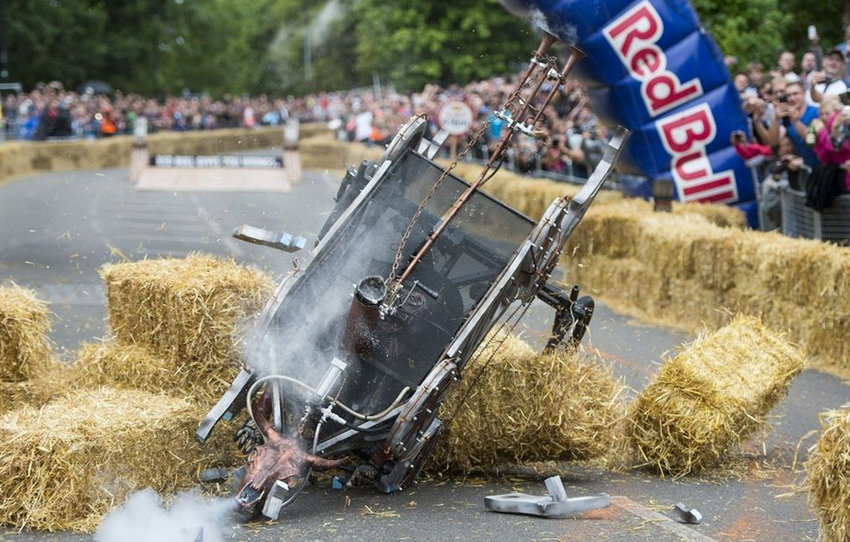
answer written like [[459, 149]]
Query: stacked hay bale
[[828, 477], [23, 333], [176, 327], [683, 270], [528, 407], [63, 466], [325, 151], [24, 346], [176, 324], [710, 397]]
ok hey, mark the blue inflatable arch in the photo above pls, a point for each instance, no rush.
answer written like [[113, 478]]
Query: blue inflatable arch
[[652, 68]]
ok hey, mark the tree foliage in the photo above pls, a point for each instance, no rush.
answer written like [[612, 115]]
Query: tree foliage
[[759, 30], [223, 46]]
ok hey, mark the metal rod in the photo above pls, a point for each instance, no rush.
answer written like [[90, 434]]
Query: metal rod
[[545, 43], [576, 54]]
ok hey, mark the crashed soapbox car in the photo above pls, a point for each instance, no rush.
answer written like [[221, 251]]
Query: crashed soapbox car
[[356, 350]]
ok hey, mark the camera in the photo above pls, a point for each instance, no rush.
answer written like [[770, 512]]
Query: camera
[[783, 98]]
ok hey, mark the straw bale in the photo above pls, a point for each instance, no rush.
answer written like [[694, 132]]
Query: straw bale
[[65, 465], [23, 333], [127, 366], [24, 158], [14, 395], [529, 407], [325, 151], [184, 310], [710, 397], [828, 476]]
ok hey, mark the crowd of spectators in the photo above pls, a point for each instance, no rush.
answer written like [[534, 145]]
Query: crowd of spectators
[[367, 115], [799, 124]]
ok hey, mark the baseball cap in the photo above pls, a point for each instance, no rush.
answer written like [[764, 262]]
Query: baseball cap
[[835, 51]]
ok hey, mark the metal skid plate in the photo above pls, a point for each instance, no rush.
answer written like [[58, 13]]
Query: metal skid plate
[[281, 241], [557, 504]]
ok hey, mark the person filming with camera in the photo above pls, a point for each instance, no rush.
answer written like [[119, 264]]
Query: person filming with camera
[[832, 79], [793, 117]]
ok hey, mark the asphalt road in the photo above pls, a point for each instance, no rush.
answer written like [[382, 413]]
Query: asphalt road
[[57, 229]]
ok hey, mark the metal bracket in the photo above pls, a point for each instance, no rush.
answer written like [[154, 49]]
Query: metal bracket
[[281, 241], [429, 149], [557, 504], [228, 406], [274, 502]]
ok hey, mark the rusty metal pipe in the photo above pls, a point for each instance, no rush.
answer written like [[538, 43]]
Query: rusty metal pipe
[[545, 43], [576, 54]]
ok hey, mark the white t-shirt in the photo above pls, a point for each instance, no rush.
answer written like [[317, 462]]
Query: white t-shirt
[[363, 126], [836, 87]]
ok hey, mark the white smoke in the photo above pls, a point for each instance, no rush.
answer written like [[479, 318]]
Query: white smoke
[[146, 518], [330, 13], [565, 32]]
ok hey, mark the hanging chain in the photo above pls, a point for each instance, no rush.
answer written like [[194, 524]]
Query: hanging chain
[[512, 98], [409, 229]]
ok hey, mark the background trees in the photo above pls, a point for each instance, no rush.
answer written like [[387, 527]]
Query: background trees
[[296, 46]]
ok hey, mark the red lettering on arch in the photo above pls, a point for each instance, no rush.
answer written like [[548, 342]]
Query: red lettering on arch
[[641, 23]]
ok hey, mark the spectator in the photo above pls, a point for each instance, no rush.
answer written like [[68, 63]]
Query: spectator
[[742, 85], [794, 116], [830, 81], [785, 67], [787, 170], [833, 144], [755, 73]]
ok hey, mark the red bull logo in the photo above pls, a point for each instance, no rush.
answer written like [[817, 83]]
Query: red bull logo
[[634, 37]]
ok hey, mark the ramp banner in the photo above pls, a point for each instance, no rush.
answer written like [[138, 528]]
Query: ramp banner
[[652, 68]]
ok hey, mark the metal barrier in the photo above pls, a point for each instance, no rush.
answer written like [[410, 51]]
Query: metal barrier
[[799, 220]]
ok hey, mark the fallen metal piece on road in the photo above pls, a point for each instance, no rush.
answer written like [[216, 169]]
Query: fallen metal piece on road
[[687, 515], [557, 504], [214, 474]]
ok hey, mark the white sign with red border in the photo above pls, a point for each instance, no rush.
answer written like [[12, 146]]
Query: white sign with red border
[[455, 117]]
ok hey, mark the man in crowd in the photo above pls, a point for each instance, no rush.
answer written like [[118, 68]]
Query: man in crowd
[[794, 115], [785, 67], [832, 79]]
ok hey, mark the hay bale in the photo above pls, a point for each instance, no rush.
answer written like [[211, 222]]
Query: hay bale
[[710, 397], [15, 395], [23, 333], [828, 477], [325, 151], [128, 366], [690, 273], [530, 407], [64, 466], [184, 310]]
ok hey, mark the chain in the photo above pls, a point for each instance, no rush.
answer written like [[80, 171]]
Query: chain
[[410, 225], [504, 336], [409, 229]]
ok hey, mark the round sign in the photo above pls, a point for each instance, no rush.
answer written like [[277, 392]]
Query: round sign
[[455, 117]]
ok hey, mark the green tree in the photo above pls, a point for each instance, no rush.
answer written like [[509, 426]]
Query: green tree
[[413, 43], [752, 30], [759, 30], [50, 40]]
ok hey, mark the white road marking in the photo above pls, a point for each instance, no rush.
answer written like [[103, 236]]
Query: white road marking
[[225, 238], [71, 294], [685, 533]]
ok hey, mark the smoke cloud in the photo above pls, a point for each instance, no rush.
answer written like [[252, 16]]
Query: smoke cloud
[[146, 518]]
